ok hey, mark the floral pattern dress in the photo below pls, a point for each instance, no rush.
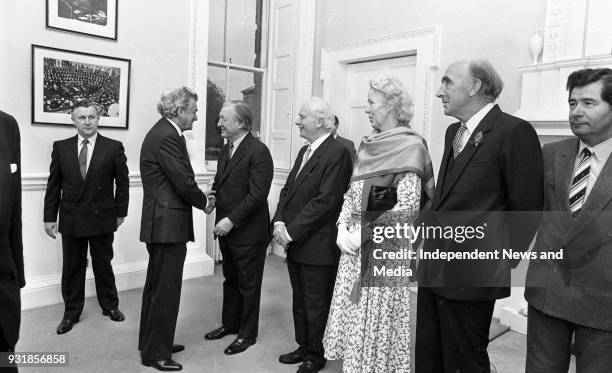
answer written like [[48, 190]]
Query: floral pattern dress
[[373, 335]]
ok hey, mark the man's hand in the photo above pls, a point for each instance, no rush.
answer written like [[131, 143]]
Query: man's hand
[[281, 236], [51, 229], [223, 227], [120, 220], [210, 202]]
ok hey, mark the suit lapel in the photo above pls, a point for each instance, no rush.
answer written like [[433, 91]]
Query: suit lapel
[[310, 164], [73, 151], [444, 167], [470, 148], [238, 154], [563, 171], [99, 153], [599, 197]]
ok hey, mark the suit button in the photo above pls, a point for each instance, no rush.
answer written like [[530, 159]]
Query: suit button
[[610, 234], [462, 290], [69, 186], [582, 279], [99, 188]]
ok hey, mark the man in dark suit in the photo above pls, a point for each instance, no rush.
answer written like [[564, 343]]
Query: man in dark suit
[[88, 182], [305, 224], [490, 177], [169, 192], [346, 142], [572, 297], [11, 246], [241, 185]]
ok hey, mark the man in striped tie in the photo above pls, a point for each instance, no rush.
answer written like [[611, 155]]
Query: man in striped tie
[[572, 297]]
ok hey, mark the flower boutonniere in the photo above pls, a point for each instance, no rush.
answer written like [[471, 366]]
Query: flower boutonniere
[[477, 139]]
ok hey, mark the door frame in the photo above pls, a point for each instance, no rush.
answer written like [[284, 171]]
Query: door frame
[[422, 42]]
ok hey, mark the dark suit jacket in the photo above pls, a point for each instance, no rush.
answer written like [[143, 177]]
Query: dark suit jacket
[[349, 145], [579, 287], [169, 187], [309, 205], [11, 246], [492, 182], [87, 207], [242, 185]]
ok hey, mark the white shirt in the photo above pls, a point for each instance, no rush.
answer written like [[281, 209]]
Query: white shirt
[[599, 155], [90, 146], [474, 121], [236, 144]]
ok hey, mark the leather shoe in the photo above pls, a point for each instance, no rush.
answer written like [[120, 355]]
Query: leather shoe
[[239, 345], [310, 367], [177, 348], [293, 357], [114, 314], [219, 333], [166, 365], [66, 325]]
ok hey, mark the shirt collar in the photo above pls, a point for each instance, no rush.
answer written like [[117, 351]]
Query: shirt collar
[[239, 140], [177, 128], [92, 139], [473, 122], [601, 151], [315, 144]]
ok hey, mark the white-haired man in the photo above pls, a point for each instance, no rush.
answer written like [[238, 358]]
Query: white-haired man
[[305, 224]]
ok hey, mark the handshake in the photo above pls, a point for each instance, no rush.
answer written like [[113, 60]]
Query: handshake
[[210, 202]]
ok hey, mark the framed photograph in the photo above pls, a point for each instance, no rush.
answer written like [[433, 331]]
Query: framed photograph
[[90, 17], [61, 78]]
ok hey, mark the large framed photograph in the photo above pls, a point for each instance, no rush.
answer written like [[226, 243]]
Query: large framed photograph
[[90, 17], [61, 78]]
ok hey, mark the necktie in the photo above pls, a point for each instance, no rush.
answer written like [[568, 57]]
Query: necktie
[[231, 150], [83, 158], [304, 160], [184, 141], [579, 183], [458, 142]]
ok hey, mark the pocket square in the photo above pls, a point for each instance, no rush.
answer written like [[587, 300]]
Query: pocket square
[[13, 168]]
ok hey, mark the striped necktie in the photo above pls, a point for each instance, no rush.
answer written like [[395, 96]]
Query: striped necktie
[[458, 142], [83, 158], [579, 183]]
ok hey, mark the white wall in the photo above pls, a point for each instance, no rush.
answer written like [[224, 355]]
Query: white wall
[[496, 30], [156, 37]]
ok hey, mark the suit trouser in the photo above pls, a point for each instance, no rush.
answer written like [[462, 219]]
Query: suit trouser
[[161, 297], [313, 287], [549, 341], [6, 347], [10, 311], [452, 336], [243, 267], [73, 272]]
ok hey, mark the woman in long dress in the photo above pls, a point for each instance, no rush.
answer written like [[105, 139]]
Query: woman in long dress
[[369, 326]]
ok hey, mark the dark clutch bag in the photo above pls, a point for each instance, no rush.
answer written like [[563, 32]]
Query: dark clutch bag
[[380, 199]]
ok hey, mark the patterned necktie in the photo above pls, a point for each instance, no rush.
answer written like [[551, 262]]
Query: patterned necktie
[[458, 142], [231, 150], [83, 158], [304, 160], [579, 183]]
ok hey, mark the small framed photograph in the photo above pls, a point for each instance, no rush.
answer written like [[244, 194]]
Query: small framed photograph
[[90, 17], [61, 78]]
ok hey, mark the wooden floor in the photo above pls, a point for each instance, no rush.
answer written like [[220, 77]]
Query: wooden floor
[[97, 344]]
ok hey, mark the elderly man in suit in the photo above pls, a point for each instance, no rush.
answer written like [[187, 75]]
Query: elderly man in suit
[[11, 247], [491, 177], [346, 142], [88, 182], [572, 297], [241, 185], [169, 192], [305, 224]]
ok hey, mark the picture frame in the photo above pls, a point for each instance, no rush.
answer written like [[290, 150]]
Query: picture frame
[[61, 78], [89, 17]]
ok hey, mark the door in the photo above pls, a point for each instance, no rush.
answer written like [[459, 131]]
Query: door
[[354, 122]]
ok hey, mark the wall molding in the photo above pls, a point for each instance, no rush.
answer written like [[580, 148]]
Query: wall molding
[[423, 42], [38, 181], [46, 290]]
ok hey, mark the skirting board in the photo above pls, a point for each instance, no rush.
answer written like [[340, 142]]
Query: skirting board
[[46, 290]]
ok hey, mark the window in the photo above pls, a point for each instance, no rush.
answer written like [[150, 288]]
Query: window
[[236, 63]]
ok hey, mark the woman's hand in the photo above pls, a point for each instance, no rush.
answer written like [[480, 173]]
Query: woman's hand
[[342, 240]]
